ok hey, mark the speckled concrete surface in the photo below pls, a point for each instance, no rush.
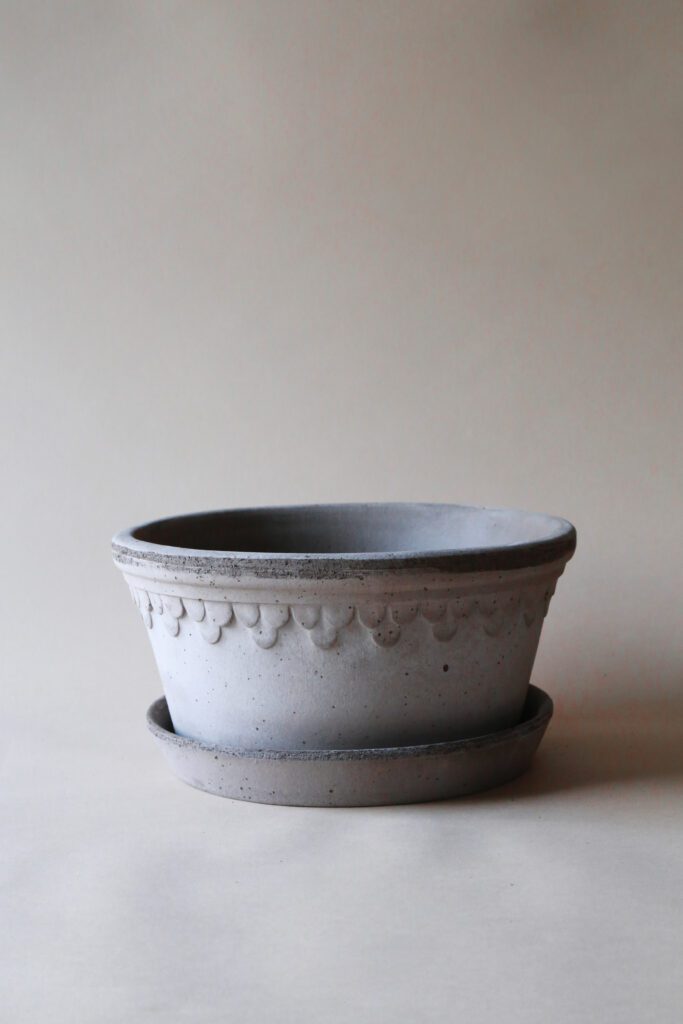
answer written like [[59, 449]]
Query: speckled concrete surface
[[356, 778]]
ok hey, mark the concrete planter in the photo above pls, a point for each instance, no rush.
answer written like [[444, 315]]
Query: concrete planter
[[344, 626]]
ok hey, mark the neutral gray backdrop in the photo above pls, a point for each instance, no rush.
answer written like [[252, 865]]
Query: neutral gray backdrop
[[292, 251]]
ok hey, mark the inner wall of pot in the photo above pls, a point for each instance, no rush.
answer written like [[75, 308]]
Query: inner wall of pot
[[349, 529]]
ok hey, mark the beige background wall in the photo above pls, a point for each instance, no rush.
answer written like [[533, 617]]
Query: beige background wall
[[305, 251]]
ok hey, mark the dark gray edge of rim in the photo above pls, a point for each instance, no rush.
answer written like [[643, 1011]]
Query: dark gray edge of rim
[[128, 551], [538, 705]]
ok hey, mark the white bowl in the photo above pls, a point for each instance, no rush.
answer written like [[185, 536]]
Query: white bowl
[[344, 626]]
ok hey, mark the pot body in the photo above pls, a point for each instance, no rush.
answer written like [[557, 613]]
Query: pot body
[[382, 659]]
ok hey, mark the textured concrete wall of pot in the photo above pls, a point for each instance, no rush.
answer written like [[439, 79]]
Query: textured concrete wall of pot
[[397, 624]]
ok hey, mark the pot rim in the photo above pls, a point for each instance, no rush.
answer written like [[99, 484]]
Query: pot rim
[[555, 542]]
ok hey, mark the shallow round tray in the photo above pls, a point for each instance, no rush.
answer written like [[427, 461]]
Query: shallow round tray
[[356, 778]]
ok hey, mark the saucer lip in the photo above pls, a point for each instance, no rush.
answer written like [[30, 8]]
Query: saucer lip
[[131, 552], [537, 712]]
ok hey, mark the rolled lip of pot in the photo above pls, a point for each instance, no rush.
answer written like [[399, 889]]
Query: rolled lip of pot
[[342, 540]]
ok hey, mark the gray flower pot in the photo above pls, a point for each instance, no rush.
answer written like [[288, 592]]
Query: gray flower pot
[[344, 626]]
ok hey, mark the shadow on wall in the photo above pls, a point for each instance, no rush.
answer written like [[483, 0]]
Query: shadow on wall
[[641, 745]]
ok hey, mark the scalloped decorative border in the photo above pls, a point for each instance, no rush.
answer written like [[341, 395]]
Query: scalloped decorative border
[[324, 622]]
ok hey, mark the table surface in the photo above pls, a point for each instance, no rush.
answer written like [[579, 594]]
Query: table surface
[[555, 898]]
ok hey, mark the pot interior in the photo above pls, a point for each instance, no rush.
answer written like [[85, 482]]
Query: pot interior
[[354, 529]]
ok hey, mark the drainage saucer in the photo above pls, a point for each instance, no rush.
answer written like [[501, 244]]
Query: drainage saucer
[[356, 778]]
